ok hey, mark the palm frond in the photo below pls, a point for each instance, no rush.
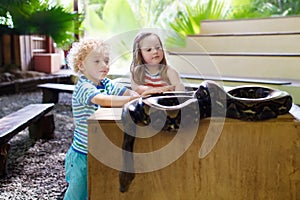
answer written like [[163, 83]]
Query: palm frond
[[187, 22], [34, 17]]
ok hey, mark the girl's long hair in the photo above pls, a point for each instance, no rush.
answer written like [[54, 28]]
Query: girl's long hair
[[137, 67]]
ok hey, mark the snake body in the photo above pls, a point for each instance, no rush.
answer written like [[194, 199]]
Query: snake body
[[171, 110]]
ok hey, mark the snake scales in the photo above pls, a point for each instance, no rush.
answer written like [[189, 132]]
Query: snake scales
[[165, 112]]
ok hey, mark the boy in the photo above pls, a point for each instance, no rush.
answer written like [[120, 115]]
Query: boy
[[89, 58]]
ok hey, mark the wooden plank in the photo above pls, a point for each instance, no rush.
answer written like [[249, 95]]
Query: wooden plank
[[295, 111], [262, 25], [39, 51], [25, 52], [276, 44], [7, 45], [51, 91], [256, 66], [235, 79], [58, 86], [16, 50], [37, 38], [1, 50], [19, 120]]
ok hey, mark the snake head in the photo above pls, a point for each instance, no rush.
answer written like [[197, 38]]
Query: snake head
[[137, 112]]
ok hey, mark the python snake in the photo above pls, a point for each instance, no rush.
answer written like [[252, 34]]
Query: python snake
[[164, 112]]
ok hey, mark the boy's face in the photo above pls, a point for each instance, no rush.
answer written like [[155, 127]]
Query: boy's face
[[96, 65], [151, 49]]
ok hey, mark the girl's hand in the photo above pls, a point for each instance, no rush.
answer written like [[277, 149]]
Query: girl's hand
[[169, 88], [158, 90]]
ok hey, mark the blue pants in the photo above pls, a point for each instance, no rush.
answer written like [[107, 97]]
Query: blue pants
[[76, 176]]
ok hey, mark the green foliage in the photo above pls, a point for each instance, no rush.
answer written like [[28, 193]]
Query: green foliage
[[178, 18], [264, 8], [116, 24], [282, 7], [248, 9], [98, 6], [149, 12], [117, 17], [187, 21], [36, 17]]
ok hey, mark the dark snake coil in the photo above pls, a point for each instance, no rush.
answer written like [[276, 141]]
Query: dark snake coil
[[164, 112]]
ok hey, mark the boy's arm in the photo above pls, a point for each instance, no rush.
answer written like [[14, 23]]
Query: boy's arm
[[111, 100], [175, 79], [129, 92]]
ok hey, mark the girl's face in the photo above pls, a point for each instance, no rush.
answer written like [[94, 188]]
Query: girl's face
[[151, 50], [95, 66]]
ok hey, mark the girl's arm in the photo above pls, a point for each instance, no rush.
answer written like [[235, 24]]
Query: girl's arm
[[140, 89], [175, 79], [147, 90], [112, 100]]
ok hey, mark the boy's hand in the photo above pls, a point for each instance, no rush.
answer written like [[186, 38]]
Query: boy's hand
[[133, 95]]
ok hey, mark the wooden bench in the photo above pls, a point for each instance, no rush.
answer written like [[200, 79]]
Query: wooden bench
[[34, 116], [51, 91]]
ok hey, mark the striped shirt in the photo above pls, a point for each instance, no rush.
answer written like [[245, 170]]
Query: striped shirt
[[154, 80], [83, 108]]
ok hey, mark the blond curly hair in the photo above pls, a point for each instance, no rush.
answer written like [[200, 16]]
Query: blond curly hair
[[81, 49]]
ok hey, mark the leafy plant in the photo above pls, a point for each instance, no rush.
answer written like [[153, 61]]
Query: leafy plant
[[264, 8], [116, 16], [282, 7], [187, 21], [149, 12], [35, 17], [114, 19]]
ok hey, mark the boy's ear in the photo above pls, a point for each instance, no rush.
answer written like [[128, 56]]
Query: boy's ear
[[81, 66]]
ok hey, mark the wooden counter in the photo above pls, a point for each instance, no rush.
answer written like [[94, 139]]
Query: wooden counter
[[250, 160]]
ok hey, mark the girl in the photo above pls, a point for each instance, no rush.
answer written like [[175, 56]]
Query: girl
[[149, 70], [89, 58]]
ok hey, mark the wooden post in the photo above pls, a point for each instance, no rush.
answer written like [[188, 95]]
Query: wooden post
[[43, 129], [1, 50], [25, 52], [75, 8], [16, 50], [4, 148], [7, 49]]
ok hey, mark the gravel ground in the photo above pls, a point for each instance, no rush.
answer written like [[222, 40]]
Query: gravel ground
[[36, 168]]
